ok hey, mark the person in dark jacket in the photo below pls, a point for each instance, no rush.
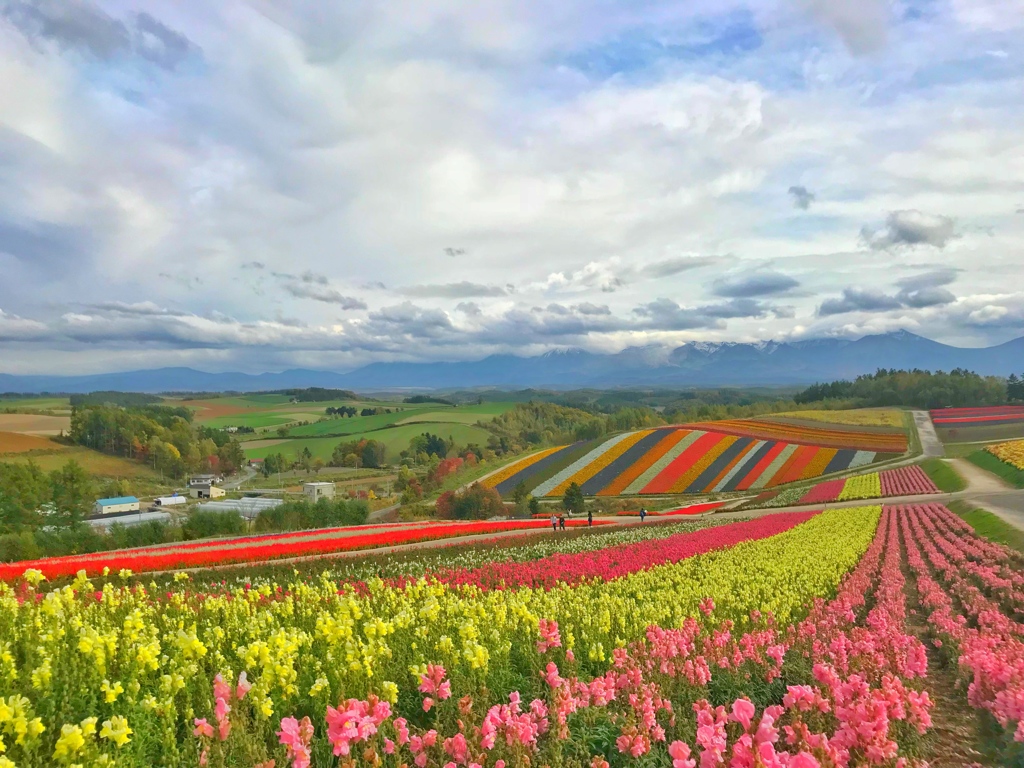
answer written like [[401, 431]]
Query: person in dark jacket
[[561, 521], [643, 513], [590, 517]]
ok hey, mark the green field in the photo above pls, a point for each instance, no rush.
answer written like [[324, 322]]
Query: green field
[[990, 463], [946, 478], [395, 439], [430, 413], [34, 404], [980, 433], [989, 525]]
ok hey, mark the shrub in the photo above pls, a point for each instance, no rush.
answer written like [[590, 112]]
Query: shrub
[[473, 503], [301, 515]]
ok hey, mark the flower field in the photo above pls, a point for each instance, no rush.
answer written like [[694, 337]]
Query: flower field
[[692, 509], [734, 455], [902, 481], [251, 549], [1011, 452], [779, 642], [978, 417]]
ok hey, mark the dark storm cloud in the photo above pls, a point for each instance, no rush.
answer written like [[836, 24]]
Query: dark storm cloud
[[916, 292], [909, 228], [84, 27], [858, 300], [802, 197], [765, 283]]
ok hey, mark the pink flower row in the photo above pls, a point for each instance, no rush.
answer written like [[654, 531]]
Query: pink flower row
[[968, 585], [902, 481]]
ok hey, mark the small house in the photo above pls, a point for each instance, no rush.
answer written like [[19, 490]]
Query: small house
[[116, 505], [316, 491]]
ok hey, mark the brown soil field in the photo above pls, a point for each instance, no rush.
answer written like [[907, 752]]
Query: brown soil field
[[34, 424], [56, 456], [212, 409], [16, 442]]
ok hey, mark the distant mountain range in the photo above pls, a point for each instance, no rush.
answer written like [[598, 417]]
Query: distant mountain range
[[696, 364]]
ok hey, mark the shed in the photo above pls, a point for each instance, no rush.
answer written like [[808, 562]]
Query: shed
[[317, 491], [128, 520], [115, 505]]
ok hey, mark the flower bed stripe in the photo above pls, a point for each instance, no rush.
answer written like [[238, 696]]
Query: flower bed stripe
[[801, 459], [823, 493], [613, 473], [683, 462], [686, 439], [755, 466], [724, 442], [808, 435], [533, 469], [721, 465], [739, 467], [500, 476], [861, 458], [778, 464], [817, 466], [141, 560], [562, 478], [840, 461], [614, 449], [533, 476], [614, 562]]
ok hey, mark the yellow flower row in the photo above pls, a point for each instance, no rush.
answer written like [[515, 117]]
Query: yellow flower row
[[600, 462], [867, 486], [1012, 452], [492, 481]]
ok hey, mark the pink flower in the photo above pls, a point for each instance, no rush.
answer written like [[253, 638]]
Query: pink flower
[[221, 709], [224, 729], [428, 704], [549, 636], [803, 760], [742, 713], [221, 690], [679, 751], [202, 728], [243, 685]]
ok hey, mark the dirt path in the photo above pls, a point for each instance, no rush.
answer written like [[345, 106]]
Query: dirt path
[[930, 443], [978, 480]]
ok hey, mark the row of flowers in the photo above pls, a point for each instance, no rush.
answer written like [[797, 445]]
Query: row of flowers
[[973, 591], [206, 554], [988, 415], [902, 481], [1011, 452], [849, 439]]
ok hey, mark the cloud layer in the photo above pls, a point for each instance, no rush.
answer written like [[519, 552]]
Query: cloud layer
[[261, 185]]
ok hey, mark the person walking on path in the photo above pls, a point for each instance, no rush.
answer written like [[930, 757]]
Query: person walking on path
[[561, 521], [554, 523], [590, 518], [643, 513]]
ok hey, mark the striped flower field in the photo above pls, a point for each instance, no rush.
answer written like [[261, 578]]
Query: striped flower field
[[696, 459]]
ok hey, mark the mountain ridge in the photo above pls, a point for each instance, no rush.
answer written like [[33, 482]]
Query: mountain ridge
[[693, 364]]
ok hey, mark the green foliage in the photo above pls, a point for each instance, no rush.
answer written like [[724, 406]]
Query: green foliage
[[945, 477], [431, 445], [203, 524], [573, 500], [72, 493], [301, 515], [1015, 388], [417, 399], [997, 467], [916, 388], [121, 399], [989, 525], [476, 502]]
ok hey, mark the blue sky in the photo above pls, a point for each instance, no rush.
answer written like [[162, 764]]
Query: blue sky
[[257, 185]]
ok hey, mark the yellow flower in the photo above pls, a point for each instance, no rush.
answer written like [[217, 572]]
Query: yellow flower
[[266, 707], [70, 742], [389, 691], [116, 729], [89, 725], [5, 763], [125, 573], [34, 576], [111, 692]]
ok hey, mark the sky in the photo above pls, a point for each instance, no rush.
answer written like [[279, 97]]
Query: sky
[[257, 185]]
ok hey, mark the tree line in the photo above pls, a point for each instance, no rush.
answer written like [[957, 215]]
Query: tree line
[[916, 389], [161, 436]]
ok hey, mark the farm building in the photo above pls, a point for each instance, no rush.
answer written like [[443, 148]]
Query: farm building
[[115, 505], [316, 491], [205, 491], [128, 519], [171, 501]]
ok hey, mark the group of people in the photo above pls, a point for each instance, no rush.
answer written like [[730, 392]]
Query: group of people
[[558, 521]]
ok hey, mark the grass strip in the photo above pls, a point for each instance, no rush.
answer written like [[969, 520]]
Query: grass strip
[[997, 467]]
